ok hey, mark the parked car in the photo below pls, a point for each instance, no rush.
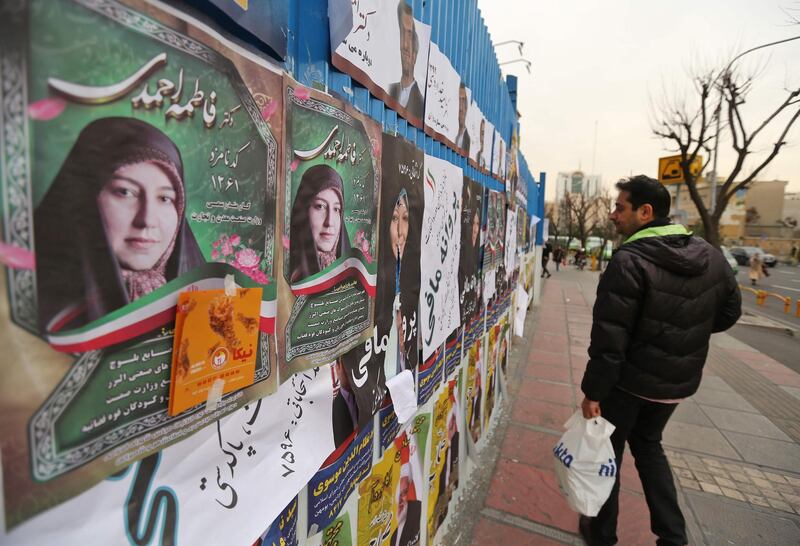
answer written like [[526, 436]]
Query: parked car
[[742, 254], [731, 260]]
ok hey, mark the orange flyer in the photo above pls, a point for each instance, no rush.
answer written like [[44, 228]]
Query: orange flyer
[[216, 343]]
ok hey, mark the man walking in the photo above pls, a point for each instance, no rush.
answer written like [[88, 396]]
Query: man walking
[[662, 295]]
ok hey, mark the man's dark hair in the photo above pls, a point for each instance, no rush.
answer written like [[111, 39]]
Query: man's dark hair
[[403, 8], [643, 189]]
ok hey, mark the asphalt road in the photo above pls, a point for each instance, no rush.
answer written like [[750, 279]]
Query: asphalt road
[[778, 343], [783, 280]]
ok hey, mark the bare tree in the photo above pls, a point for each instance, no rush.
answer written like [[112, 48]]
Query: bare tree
[[554, 226], [604, 227], [566, 218], [582, 210], [689, 128]]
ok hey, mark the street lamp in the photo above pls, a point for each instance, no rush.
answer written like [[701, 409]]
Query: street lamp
[[519, 44], [520, 60], [718, 113]]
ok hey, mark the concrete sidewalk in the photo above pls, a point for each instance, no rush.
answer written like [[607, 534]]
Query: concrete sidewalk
[[734, 446]]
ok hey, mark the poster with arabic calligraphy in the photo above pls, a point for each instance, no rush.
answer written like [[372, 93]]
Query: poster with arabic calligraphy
[[443, 459], [439, 311], [146, 163], [329, 229], [381, 46], [339, 476], [282, 531], [235, 477], [391, 497], [392, 347], [444, 118], [492, 353]]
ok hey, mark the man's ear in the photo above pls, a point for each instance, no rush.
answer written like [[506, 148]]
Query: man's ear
[[646, 212]]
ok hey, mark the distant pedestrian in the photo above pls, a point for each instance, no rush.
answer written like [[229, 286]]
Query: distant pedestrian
[[546, 251], [756, 268], [663, 293], [558, 255]]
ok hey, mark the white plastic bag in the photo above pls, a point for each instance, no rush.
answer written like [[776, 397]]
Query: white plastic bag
[[585, 463]]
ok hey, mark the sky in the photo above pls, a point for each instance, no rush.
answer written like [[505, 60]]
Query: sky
[[606, 64]]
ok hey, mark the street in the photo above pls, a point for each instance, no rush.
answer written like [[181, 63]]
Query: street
[[778, 343]]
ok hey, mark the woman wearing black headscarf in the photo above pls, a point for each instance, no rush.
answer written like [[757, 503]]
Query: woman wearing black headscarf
[[317, 230], [111, 228]]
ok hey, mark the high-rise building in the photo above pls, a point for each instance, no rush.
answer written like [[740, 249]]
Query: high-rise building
[[578, 182]]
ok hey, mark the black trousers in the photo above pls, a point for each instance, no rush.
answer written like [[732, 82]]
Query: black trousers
[[641, 423]]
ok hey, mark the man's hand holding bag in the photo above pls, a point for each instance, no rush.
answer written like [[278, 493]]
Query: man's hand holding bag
[[585, 463]]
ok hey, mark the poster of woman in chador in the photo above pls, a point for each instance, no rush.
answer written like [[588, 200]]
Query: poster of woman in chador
[[392, 347], [328, 226], [147, 167], [469, 267], [382, 46]]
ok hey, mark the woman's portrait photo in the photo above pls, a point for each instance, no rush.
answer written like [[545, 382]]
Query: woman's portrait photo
[[111, 227], [317, 234], [469, 261]]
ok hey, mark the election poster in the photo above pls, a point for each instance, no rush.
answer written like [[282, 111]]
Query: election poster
[[429, 376], [443, 463], [328, 226], [452, 352], [282, 531], [382, 46], [511, 258], [492, 350], [440, 313], [498, 156], [146, 166], [237, 474], [487, 135], [339, 476], [443, 116], [466, 130], [392, 347], [480, 139], [474, 390], [390, 499], [339, 532], [469, 267]]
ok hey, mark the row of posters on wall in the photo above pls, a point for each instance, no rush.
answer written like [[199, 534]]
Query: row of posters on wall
[[383, 47], [153, 158]]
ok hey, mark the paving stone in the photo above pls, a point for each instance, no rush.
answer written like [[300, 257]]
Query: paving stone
[[728, 522], [776, 478], [711, 488], [691, 484], [683, 472], [718, 471], [732, 493], [784, 488], [753, 472], [771, 494], [677, 463], [690, 412], [703, 477], [730, 467], [764, 451], [748, 488], [794, 500], [742, 478], [489, 531], [711, 462], [762, 483], [793, 481], [700, 439], [780, 505], [715, 383], [744, 422], [724, 482], [721, 399], [757, 500]]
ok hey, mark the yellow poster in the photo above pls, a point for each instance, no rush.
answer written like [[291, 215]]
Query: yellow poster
[[491, 372], [473, 394], [443, 474]]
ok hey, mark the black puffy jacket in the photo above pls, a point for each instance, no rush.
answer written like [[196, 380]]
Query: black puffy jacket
[[663, 294]]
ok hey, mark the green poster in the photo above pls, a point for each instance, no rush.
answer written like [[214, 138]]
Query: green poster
[[328, 228], [140, 161]]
